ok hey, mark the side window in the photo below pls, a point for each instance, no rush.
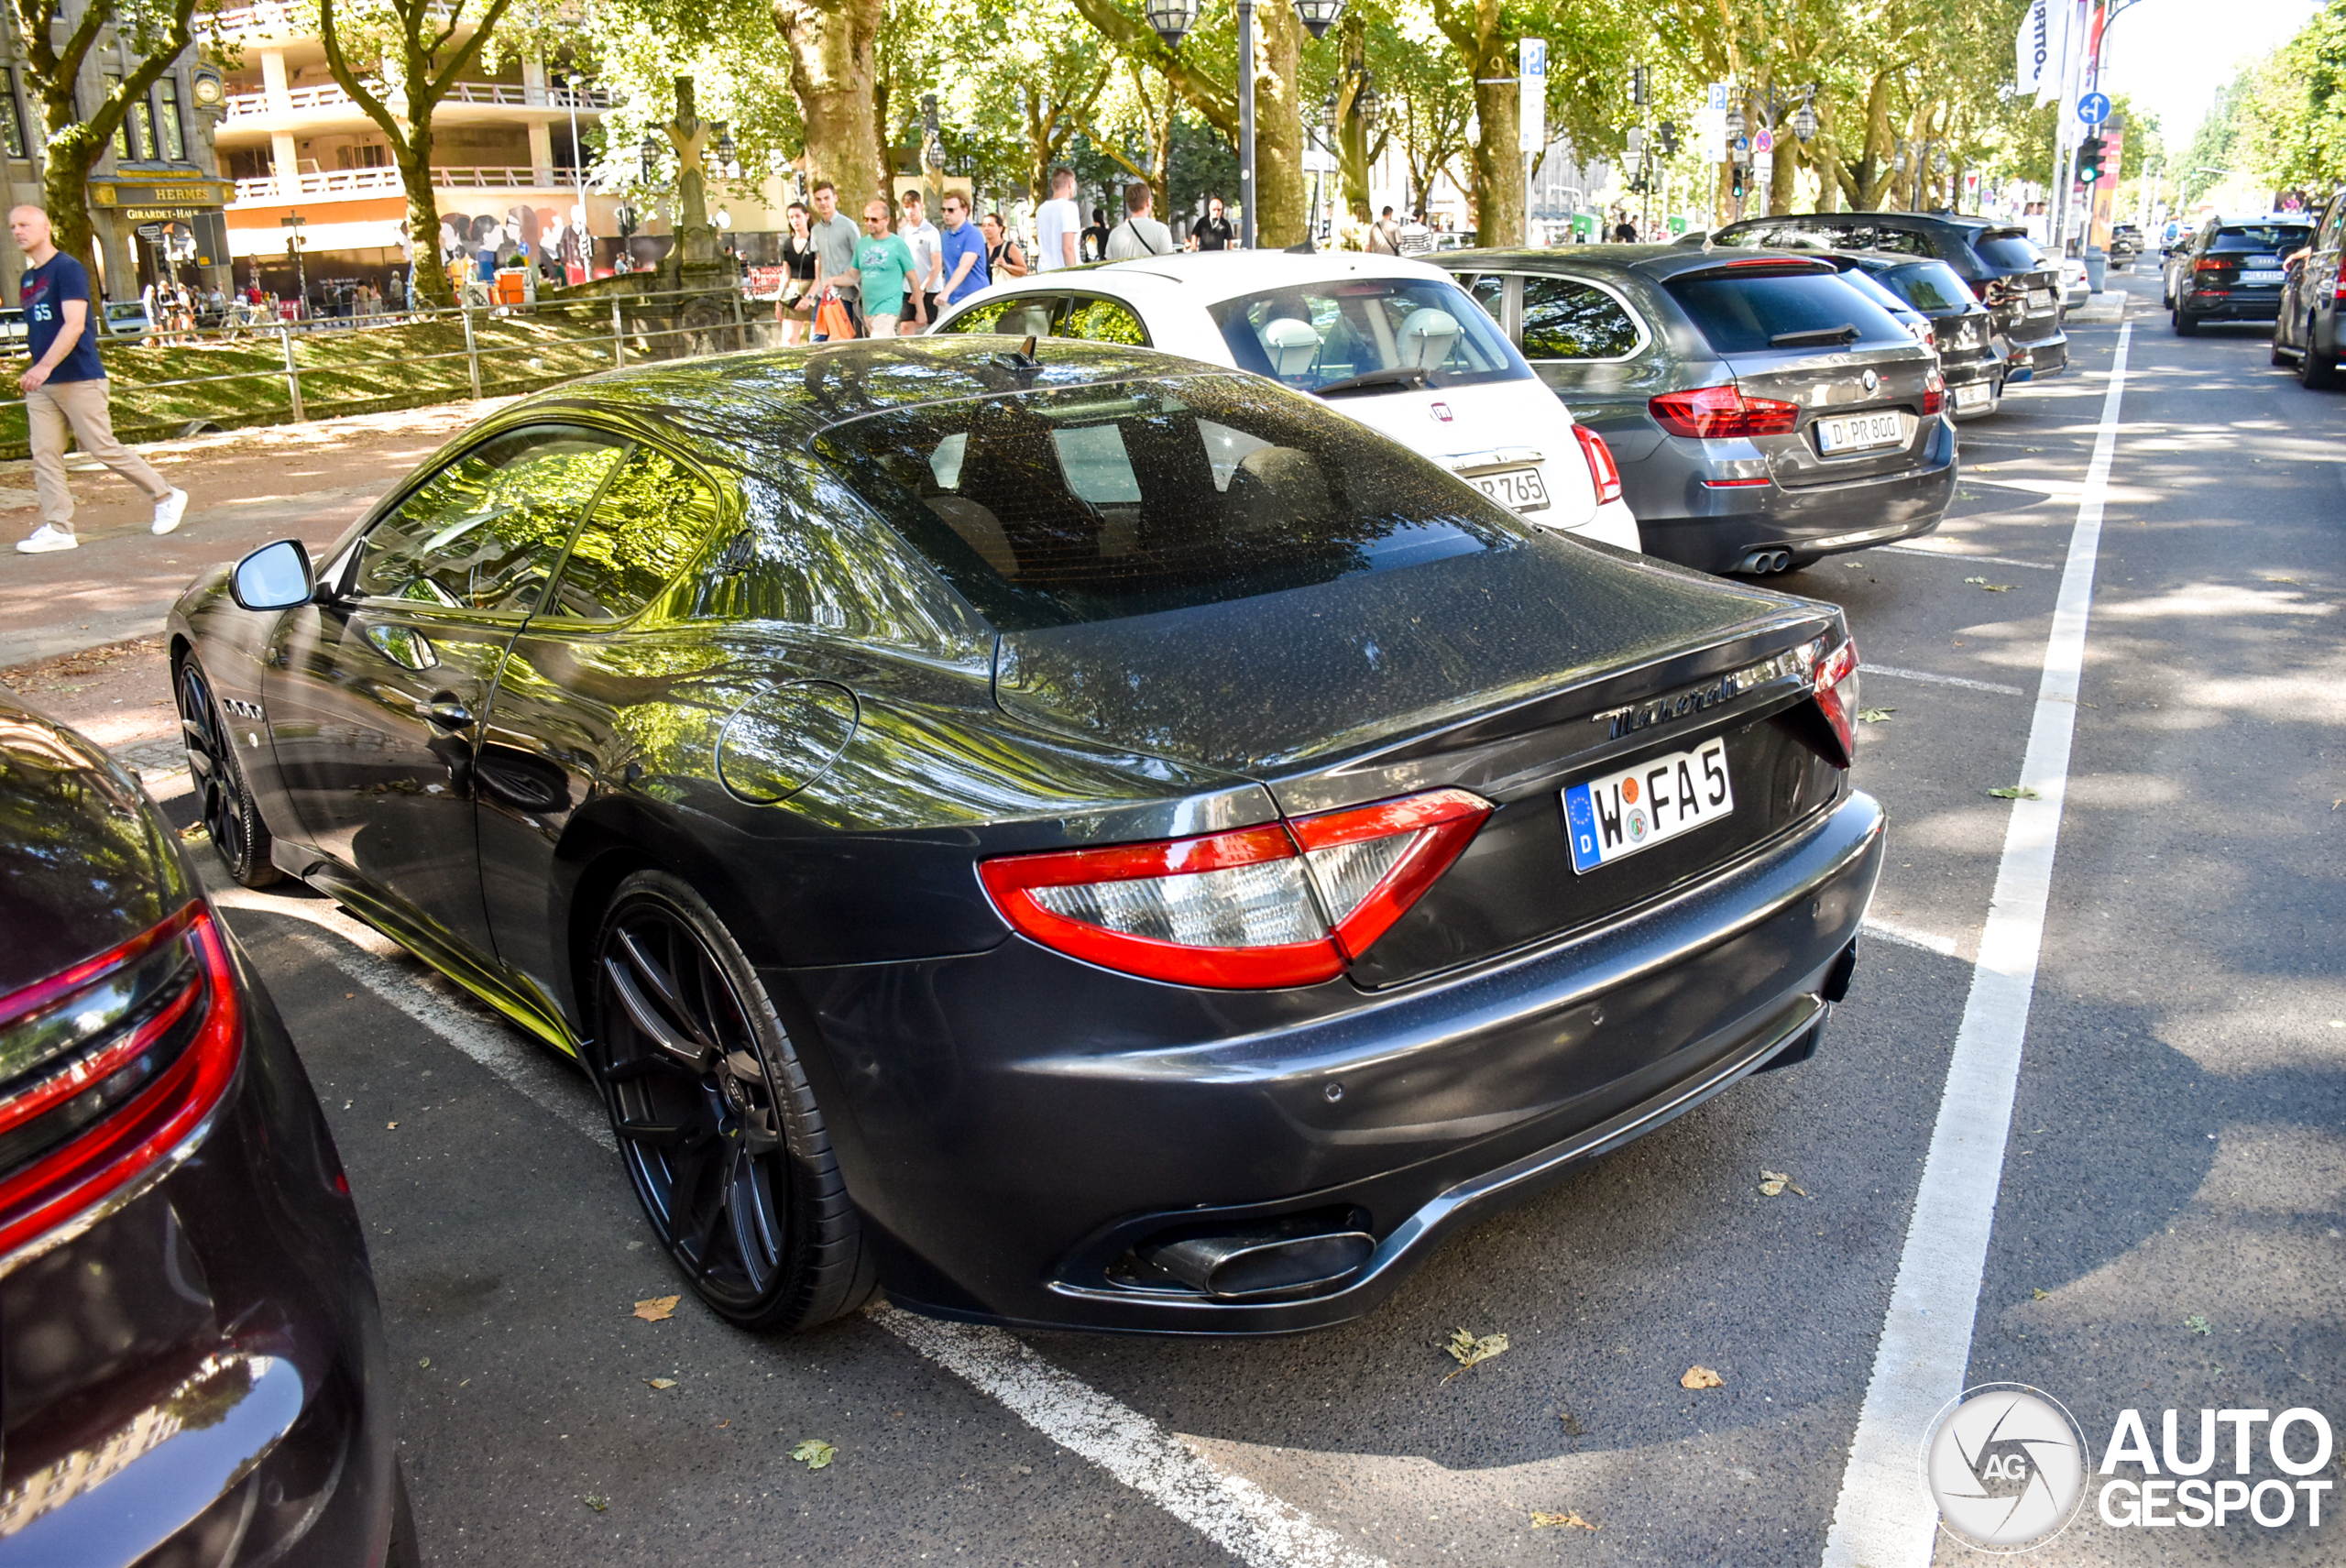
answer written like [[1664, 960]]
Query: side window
[[1021, 315], [1565, 320], [487, 532], [1904, 242], [1104, 320], [645, 527], [1489, 290]]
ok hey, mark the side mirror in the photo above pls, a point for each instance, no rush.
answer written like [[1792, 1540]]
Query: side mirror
[[275, 576]]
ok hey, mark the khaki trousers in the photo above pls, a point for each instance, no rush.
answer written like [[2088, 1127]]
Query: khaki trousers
[[49, 409]]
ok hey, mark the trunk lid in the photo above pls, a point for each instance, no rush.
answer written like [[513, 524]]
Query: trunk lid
[[1488, 429], [1832, 387]]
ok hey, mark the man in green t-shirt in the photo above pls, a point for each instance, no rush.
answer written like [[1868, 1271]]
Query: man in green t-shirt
[[883, 264]]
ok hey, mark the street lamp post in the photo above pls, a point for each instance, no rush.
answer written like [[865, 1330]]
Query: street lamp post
[[583, 243], [1171, 19]]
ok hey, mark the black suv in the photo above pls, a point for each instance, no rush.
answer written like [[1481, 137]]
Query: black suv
[[2235, 273], [2021, 288]]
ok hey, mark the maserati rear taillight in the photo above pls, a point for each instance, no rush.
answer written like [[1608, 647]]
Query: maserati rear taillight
[[1256, 908], [109, 1070], [1717, 413], [1833, 678], [1603, 471]]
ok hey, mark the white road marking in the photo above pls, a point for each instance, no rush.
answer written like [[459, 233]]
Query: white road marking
[[1235, 1514], [1229, 1510], [1884, 1518], [1904, 938], [1968, 684], [1984, 560], [380, 964]]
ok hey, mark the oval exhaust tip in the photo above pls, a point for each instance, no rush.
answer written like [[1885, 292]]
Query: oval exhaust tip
[[1271, 1261]]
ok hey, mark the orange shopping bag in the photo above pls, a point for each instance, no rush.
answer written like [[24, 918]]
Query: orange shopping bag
[[832, 319]]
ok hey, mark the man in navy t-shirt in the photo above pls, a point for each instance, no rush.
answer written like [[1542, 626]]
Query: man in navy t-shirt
[[67, 385]]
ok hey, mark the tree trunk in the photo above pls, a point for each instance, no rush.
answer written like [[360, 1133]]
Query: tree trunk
[[1498, 166], [414, 161], [65, 186], [1283, 190], [833, 74]]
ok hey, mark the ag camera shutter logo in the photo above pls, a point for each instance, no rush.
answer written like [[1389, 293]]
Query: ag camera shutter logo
[[2006, 1463]]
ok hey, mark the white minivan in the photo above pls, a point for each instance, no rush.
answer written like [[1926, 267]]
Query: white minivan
[[1392, 343]]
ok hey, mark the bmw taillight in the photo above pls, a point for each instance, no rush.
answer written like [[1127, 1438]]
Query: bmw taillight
[[110, 1070], [1603, 471], [1717, 413], [1833, 678], [1934, 394], [1254, 908]]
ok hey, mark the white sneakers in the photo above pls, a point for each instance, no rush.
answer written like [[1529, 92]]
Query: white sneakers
[[45, 539], [167, 513]]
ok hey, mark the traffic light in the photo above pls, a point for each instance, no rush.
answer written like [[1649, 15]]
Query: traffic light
[[1667, 132], [1738, 181], [2089, 160]]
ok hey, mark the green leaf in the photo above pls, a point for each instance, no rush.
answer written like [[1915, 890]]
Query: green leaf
[[813, 1452], [2016, 792], [1875, 715]]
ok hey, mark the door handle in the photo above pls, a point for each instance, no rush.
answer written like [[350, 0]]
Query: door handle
[[448, 713]]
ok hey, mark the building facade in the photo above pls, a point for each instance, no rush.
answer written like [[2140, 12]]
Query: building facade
[[155, 200]]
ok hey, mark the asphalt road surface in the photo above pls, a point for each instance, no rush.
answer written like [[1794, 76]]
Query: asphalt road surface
[[2166, 1019]]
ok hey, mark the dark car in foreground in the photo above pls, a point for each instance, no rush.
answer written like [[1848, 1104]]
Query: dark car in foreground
[[2308, 330], [1763, 410], [2235, 273], [192, 1356], [2000, 264], [1963, 330], [1077, 838]]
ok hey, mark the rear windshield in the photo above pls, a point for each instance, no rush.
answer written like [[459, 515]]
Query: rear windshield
[[1089, 504], [1751, 313], [2281, 238], [1316, 335], [2011, 252], [1931, 287], [1873, 289]]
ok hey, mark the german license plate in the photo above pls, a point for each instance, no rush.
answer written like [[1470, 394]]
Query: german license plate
[[2263, 275], [1976, 396], [1606, 818], [1518, 488], [2041, 299], [1854, 433]]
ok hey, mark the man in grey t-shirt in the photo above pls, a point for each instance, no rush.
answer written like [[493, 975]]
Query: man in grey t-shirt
[[836, 236], [1058, 224], [1139, 235]]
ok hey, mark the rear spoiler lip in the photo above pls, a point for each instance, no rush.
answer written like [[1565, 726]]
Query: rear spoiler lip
[[1773, 265]]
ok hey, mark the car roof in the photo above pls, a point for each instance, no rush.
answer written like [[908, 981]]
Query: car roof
[[1655, 262], [1219, 274], [725, 408]]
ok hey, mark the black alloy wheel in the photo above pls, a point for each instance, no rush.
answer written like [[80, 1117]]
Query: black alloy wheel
[[716, 1122], [224, 801], [2315, 371]]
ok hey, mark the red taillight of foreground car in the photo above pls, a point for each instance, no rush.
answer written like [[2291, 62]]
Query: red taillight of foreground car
[[1833, 678], [2211, 264], [1254, 908], [1717, 413], [1934, 394], [1603, 471], [117, 1064]]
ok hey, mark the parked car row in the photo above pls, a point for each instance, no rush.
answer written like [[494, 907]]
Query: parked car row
[[2308, 328], [2281, 267]]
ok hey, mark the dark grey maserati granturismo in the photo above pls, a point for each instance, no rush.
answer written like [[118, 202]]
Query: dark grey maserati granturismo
[[1067, 837]]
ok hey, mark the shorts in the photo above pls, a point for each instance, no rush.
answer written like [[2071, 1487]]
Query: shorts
[[877, 326], [929, 300]]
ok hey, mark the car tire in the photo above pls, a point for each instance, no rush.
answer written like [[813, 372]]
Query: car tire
[[2183, 325], [2314, 371], [223, 800], [717, 1123]]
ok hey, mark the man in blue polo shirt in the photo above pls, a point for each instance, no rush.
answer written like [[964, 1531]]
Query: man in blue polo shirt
[[67, 385], [964, 257]]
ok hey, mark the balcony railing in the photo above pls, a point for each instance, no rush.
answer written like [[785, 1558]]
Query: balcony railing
[[370, 181], [250, 105]]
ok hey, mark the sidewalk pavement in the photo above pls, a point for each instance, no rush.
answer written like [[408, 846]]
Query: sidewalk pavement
[[80, 629]]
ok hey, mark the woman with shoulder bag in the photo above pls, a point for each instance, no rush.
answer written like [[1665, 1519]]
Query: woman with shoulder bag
[[795, 309], [1003, 258]]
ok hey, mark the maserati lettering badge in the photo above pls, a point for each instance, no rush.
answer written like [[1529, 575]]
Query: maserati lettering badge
[[1872, 382], [1441, 412], [1639, 716]]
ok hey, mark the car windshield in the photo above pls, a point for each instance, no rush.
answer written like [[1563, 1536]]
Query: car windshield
[[2264, 238], [2008, 250], [1748, 313], [1931, 287], [1091, 504], [1398, 330]]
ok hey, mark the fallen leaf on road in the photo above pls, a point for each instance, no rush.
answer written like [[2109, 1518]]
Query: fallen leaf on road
[[1573, 1427], [192, 831], [1773, 1182], [2016, 792], [813, 1452], [2198, 1325], [657, 1308], [598, 1504], [391, 1127], [2040, 1295], [662, 1382], [1702, 1377], [1558, 1521], [1991, 587], [425, 1362], [1875, 715], [1469, 1351]]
